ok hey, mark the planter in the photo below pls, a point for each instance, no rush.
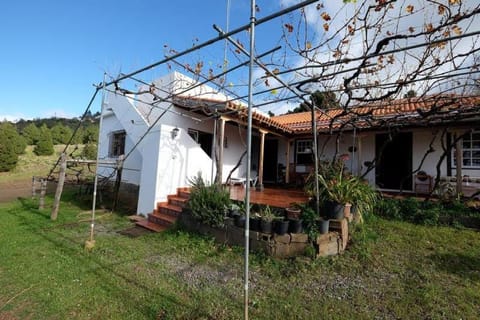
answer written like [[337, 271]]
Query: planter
[[334, 210], [347, 210], [240, 221], [233, 213], [255, 224], [295, 226], [266, 226], [281, 227], [293, 213], [323, 226]]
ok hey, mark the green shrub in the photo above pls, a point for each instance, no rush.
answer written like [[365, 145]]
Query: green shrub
[[44, 145], [89, 151], [424, 212], [209, 204], [8, 157]]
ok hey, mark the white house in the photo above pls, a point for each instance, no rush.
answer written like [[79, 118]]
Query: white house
[[166, 134]]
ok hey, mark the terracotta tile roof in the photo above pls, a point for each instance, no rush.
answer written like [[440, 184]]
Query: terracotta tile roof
[[412, 111]]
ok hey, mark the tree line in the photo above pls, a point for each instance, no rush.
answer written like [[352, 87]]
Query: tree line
[[43, 134]]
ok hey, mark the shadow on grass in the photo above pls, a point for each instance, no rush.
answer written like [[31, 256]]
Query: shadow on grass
[[462, 265]]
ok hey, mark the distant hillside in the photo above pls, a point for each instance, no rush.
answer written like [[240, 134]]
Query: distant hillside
[[51, 122]]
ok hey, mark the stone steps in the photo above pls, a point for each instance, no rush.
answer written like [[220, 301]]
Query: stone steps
[[166, 213]]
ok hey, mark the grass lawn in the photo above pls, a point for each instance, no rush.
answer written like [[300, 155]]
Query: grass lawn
[[393, 270]]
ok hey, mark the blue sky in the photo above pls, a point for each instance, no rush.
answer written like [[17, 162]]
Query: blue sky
[[53, 51]]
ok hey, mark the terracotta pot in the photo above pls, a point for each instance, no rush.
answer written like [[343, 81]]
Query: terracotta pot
[[293, 213], [347, 210]]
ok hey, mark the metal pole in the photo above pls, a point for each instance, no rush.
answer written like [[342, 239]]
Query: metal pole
[[95, 183], [249, 152], [354, 145], [214, 148], [315, 159]]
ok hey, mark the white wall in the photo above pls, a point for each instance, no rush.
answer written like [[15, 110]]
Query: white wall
[[159, 164]]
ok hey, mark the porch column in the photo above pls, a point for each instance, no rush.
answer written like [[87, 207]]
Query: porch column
[[260, 165], [459, 156], [221, 138], [359, 156], [287, 163]]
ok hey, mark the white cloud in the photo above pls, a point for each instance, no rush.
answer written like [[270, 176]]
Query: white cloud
[[14, 117], [57, 113]]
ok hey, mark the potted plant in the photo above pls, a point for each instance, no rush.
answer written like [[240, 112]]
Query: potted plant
[[255, 220], [280, 225], [336, 187], [323, 226], [293, 211], [266, 224], [363, 199], [239, 218]]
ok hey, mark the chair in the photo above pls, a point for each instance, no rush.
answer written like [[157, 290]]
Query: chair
[[243, 180]]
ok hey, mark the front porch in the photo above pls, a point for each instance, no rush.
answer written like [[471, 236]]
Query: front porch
[[272, 196]]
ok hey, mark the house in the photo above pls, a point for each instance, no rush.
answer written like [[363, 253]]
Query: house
[[169, 131]]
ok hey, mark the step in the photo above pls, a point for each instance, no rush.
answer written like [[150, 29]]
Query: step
[[183, 192], [177, 201], [151, 226], [162, 219], [169, 209]]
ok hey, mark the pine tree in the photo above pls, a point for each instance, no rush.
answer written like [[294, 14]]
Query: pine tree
[[61, 134], [31, 133], [44, 145], [13, 138], [90, 151], [90, 134], [8, 157]]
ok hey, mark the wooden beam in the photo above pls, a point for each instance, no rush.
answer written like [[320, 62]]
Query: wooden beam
[[221, 138], [287, 162], [459, 157], [43, 190], [58, 193], [253, 126], [262, 156]]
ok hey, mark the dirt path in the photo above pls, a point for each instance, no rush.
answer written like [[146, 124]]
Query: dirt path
[[12, 190]]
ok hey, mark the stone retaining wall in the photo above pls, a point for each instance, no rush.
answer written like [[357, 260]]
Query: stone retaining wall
[[281, 246]]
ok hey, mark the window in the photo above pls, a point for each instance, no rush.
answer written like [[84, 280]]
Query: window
[[471, 150], [117, 144], [304, 152], [204, 139]]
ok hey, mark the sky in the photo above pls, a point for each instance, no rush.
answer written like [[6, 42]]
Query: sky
[[53, 51]]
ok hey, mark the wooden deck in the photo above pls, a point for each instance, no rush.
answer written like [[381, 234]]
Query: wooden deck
[[274, 197]]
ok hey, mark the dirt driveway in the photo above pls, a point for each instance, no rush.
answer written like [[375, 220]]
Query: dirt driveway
[[12, 190]]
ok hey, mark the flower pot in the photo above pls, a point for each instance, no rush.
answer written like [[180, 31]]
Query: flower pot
[[347, 210], [240, 221], [254, 224], [266, 226], [323, 226], [281, 227], [293, 213], [295, 226], [233, 213], [334, 210]]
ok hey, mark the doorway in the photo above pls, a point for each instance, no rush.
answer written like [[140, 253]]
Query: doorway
[[394, 161], [270, 161]]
